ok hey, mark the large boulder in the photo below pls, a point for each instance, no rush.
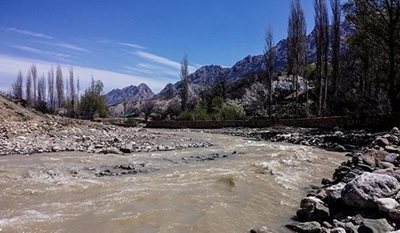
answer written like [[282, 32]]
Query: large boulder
[[363, 191]]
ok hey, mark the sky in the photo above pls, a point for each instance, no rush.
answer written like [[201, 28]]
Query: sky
[[128, 42]]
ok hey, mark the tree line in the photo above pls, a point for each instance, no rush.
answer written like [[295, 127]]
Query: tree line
[[56, 94], [355, 69]]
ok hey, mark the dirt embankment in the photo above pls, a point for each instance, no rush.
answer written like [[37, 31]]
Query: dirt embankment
[[24, 131]]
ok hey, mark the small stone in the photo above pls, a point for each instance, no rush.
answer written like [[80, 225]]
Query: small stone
[[391, 158], [394, 214]]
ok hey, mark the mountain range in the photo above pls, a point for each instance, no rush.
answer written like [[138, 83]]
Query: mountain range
[[207, 75]]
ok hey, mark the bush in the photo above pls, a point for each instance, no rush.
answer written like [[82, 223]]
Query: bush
[[232, 110]]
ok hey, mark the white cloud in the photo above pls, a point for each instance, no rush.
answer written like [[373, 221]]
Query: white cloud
[[38, 51], [10, 65], [151, 69], [68, 46], [131, 45], [162, 60], [28, 33]]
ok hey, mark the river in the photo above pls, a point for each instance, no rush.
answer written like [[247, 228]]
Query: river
[[261, 184]]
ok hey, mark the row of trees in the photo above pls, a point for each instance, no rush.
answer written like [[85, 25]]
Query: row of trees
[[361, 76], [55, 94], [50, 93]]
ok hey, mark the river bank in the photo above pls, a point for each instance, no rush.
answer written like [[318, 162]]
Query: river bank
[[55, 134], [362, 196]]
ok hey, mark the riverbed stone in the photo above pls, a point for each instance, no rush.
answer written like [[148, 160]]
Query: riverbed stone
[[395, 131], [307, 227], [385, 205], [391, 158], [263, 229], [127, 148], [338, 230], [335, 191], [375, 226], [365, 189], [382, 142], [394, 214]]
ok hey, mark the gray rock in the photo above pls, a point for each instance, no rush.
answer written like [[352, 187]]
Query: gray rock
[[394, 214], [382, 142], [262, 229], [395, 131], [340, 148], [391, 158], [56, 148], [307, 227], [386, 165], [338, 230], [375, 226], [127, 148], [392, 149], [312, 209], [365, 189], [385, 205], [397, 197], [335, 191]]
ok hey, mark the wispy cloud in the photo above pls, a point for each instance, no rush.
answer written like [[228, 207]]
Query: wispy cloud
[[42, 52], [38, 51], [131, 45], [10, 65], [158, 59], [154, 70], [28, 33], [68, 46]]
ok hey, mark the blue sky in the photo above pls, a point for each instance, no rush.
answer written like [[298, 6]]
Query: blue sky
[[129, 42]]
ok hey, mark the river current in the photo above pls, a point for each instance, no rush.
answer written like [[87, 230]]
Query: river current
[[260, 184]]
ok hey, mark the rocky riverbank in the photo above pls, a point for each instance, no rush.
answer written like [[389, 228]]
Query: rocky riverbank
[[54, 134], [362, 196], [332, 140]]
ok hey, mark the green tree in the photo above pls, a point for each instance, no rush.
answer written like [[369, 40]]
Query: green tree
[[93, 102]]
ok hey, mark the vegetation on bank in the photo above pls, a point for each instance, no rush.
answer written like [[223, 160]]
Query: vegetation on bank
[[56, 95]]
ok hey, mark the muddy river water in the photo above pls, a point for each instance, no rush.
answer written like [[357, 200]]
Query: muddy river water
[[261, 184]]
